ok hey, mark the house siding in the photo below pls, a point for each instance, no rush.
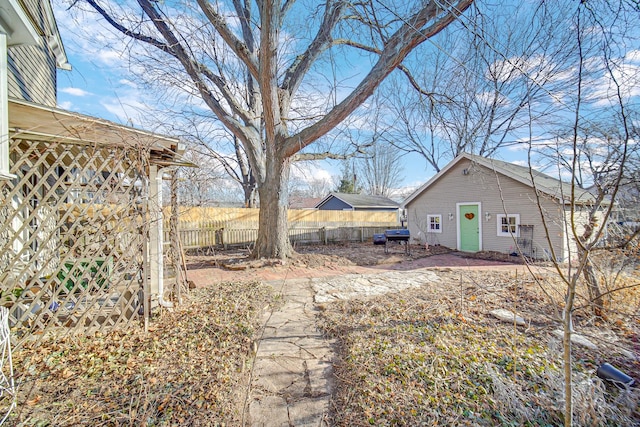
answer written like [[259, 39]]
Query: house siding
[[335, 204], [495, 196], [32, 69], [580, 218]]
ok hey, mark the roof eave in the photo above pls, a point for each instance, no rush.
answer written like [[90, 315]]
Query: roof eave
[[433, 179], [33, 121], [15, 23], [55, 40]]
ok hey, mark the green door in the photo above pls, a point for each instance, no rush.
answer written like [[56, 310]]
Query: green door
[[469, 222]]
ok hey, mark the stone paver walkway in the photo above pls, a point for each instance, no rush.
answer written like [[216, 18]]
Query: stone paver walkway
[[292, 375]]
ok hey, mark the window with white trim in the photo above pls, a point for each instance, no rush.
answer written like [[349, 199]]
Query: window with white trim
[[434, 223], [508, 225]]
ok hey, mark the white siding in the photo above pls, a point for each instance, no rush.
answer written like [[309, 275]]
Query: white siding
[[580, 218], [497, 195], [32, 69], [32, 74]]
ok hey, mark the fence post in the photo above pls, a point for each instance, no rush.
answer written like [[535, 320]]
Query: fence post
[[224, 238]]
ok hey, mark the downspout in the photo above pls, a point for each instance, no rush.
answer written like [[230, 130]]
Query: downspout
[[156, 234]]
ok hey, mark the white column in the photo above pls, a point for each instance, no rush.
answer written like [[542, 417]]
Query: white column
[[155, 233]]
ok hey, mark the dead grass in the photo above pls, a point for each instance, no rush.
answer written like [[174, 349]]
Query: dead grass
[[190, 369], [435, 356]]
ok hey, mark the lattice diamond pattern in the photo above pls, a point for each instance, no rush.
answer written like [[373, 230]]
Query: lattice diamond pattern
[[72, 237]]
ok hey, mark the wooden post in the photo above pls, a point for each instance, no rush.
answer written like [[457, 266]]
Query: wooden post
[[146, 291], [174, 238], [224, 238]]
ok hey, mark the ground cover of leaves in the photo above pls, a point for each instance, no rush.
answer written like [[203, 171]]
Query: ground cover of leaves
[[434, 356], [190, 369], [431, 356]]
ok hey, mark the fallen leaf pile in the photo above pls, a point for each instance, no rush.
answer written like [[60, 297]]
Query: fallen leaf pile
[[190, 369]]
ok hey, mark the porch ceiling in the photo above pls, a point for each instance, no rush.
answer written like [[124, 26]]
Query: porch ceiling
[[37, 122]]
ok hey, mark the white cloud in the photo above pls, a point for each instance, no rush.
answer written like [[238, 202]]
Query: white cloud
[[65, 105], [310, 172], [127, 82], [127, 109], [74, 91], [633, 55], [108, 57]]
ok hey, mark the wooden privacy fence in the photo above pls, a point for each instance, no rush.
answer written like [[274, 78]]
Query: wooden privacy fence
[[206, 227]]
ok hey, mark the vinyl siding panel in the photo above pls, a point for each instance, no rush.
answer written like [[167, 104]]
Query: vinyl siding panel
[[32, 74], [496, 195], [32, 69]]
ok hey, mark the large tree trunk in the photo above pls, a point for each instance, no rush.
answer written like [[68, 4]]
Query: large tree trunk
[[273, 232]]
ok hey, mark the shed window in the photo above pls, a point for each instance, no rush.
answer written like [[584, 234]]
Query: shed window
[[434, 223], [508, 225]]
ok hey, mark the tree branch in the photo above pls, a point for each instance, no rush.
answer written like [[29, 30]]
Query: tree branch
[[296, 71], [399, 46], [267, 76], [400, 67], [130, 33], [195, 71], [244, 53]]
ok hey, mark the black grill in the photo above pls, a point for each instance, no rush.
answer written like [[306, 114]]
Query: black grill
[[401, 236]]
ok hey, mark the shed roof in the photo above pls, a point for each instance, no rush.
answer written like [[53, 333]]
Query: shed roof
[[544, 183], [38, 122], [361, 201]]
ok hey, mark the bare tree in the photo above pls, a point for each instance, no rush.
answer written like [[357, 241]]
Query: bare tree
[[236, 167], [377, 161], [308, 182], [483, 82], [200, 186], [380, 170], [268, 108], [594, 153]]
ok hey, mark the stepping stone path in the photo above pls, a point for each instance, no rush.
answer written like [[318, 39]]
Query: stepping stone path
[[292, 375]]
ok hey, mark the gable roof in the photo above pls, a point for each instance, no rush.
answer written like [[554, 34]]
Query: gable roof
[[361, 201], [544, 183]]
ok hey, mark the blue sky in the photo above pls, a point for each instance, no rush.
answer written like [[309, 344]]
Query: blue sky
[[102, 85]]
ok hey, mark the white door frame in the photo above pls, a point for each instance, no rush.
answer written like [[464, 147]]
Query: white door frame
[[479, 204]]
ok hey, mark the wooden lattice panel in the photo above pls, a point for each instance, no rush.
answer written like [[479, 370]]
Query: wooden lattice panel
[[72, 237]]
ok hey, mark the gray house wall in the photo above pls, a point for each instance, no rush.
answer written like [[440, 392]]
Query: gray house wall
[[496, 194], [32, 69], [335, 204]]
